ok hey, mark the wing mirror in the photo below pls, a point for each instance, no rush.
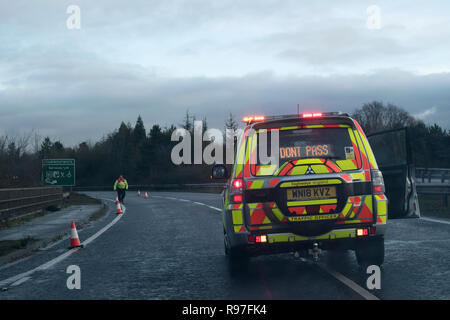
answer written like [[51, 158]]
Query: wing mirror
[[219, 171]]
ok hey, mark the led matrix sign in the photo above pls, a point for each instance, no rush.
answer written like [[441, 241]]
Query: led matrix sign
[[318, 150]]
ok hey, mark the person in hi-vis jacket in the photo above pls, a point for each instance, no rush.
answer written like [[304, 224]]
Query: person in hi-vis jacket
[[121, 185]]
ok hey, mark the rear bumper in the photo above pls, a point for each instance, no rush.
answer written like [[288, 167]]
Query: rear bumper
[[344, 239]]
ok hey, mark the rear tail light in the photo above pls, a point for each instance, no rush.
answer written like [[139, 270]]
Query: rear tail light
[[237, 198], [257, 239], [377, 182], [236, 190], [237, 183], [362, 232]]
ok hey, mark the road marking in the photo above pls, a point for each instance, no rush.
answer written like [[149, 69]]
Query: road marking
[[339, 276], [349, 283], [109, 225], [48, 264], [19, 282], [434, 220], [217, 209], [185, 200]]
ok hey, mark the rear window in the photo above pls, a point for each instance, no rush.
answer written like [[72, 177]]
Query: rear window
[[334, 144]]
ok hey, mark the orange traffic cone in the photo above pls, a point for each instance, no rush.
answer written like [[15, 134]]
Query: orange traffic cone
[[146, 196], [117, 200], [74, 240], [119, 209], [139, 193]]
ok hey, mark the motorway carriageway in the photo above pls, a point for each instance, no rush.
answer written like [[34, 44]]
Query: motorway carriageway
[[170, 246]]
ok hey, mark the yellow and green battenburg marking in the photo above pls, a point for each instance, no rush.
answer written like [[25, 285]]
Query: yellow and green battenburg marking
[[311, 202], [381, 203], [290, 237]]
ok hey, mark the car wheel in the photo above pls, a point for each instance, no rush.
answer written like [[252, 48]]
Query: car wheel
[[237, 258]]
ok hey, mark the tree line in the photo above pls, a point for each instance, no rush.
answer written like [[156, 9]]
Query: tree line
[[144, 156]]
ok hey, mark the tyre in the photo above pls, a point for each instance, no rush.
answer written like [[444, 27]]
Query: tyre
[[237, 258], [370, 251]]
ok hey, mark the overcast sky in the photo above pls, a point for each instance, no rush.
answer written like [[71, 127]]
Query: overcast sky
[[160, 58]]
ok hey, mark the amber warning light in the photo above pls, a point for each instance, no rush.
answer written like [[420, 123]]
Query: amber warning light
[[253, 119]]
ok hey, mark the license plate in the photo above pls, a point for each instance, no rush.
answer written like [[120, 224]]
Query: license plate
[[311, 193]]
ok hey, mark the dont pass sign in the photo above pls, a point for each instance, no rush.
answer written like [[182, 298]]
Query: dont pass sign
[[317, 150]]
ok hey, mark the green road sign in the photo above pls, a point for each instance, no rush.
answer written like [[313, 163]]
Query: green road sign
[[58, 172]]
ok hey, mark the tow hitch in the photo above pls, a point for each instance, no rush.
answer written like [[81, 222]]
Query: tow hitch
[[315, 252]]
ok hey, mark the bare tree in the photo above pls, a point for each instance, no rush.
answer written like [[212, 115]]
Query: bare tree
[[231, 123], [375, 116]]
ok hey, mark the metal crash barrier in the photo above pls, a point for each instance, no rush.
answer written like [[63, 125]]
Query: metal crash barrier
[[21, 202]]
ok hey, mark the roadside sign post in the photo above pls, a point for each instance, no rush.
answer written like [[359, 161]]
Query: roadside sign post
[[58, 172]]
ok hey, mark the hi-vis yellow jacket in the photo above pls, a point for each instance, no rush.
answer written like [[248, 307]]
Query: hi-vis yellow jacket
[[121, 184]]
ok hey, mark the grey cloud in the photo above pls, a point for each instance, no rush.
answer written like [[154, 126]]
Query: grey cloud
[[93, 103], [140, 57]]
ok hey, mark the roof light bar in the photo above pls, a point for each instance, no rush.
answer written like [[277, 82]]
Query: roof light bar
[[308, 115], [312, 115], [253, 119]]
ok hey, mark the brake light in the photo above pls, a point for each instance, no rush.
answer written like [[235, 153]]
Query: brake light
[[237, 198], [257, 239], [312, 115], [236, 190], [238, 183], [261, 239], [362, 232], [377, 182], [377, 189]]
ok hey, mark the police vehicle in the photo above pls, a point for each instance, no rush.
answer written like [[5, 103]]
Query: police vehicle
[[310, 182]]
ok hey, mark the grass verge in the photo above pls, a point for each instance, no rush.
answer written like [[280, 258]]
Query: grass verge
[[12, 250], [15, 222], [78, 199], [8, 246]]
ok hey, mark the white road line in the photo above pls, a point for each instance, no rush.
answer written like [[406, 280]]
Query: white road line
[[109, 225], [349, 283], [19, 282], [61, 257], [435, 220], [199, 203], [214, 208]]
